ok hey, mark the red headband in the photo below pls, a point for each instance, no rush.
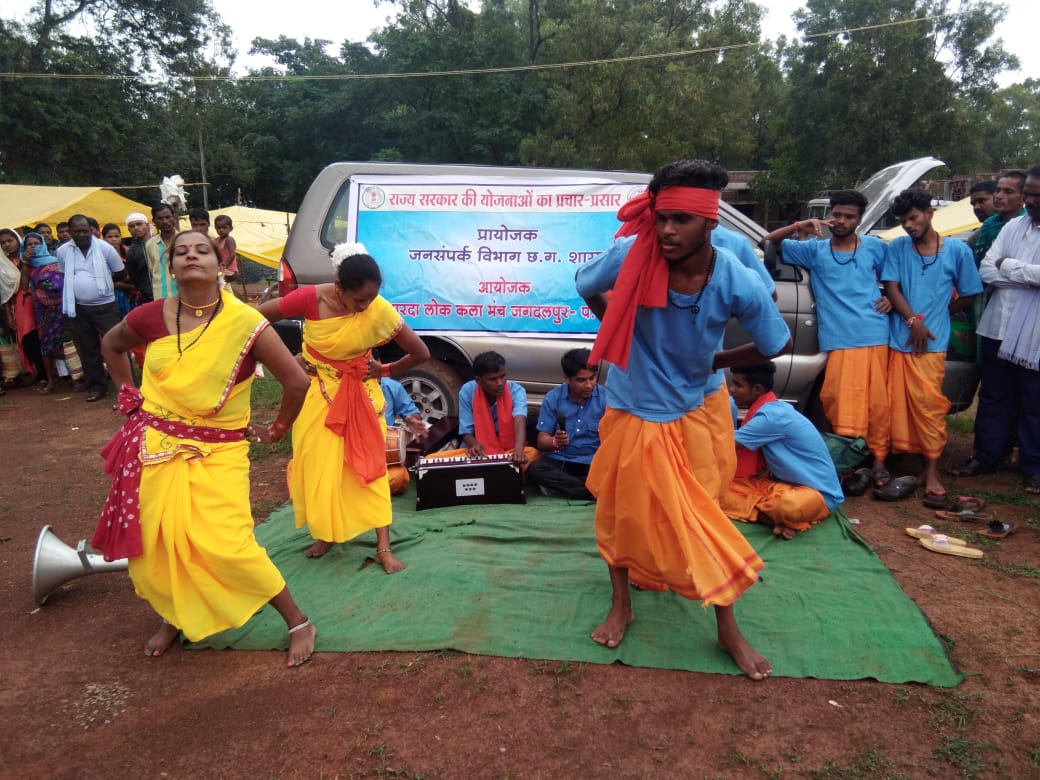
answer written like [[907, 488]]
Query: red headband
[[695, 200]]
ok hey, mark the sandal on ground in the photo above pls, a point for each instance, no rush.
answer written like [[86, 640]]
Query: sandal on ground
[[927, 532], [93, 395], [964, 516], [935, 499], [856, 483], [965, 503], [941, 543], [896, 490], [880, 477], [973, 467], [997, 530], [1032, 484]]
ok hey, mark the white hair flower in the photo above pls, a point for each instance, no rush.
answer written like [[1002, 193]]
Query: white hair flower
[[342, 251]]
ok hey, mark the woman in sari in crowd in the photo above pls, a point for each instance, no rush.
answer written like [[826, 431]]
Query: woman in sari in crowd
[[125, 292], [19, 312], [338, 479], [46, 282], [178, 507]]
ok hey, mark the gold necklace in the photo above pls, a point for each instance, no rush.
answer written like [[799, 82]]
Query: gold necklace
[[197, 309]]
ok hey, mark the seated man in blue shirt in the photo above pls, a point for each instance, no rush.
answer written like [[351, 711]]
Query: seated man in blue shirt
[[785, 476], [568, 430], [399, 405], [492, 414]]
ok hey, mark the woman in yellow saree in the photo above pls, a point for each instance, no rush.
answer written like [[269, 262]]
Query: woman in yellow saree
[[338, 481], [179, 505]]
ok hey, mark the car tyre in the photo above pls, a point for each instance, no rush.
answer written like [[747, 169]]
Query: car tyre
[[434, 386]]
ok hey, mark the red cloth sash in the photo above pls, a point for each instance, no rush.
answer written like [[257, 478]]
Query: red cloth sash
[[751, 462], [643, 279], [502, 440], [352, 417], [118, 531]]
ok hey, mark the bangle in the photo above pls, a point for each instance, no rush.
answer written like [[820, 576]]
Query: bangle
[[914, 318], [276, 431], [384, 369]]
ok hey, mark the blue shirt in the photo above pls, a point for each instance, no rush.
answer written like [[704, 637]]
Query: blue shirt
[[794, 450], [671, 358], [845, 290], [581, 422], [398, 402], [516, 392], [928, 285], [745, 253]]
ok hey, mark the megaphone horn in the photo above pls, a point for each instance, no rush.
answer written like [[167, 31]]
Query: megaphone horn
[[55, 563]]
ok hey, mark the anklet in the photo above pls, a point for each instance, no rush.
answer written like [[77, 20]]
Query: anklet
[[306, 622]]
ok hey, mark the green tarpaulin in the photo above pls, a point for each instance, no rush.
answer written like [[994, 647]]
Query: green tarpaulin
[[527, 581]]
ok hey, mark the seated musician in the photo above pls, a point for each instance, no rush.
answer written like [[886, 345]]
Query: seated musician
[[568, 430], [785, 476], [492, 414], [400, 405]]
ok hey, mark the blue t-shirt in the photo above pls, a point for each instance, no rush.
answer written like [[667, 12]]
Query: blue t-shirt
[[398, 402], [672, 353], [745, 253], [845, 290], [928, 284], [794, 450], [581, 422], [516, 392]]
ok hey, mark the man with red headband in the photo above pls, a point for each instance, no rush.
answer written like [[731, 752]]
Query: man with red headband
[[654, 477]]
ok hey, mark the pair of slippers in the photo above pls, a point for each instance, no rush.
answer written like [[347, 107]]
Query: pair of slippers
[[856, 483], [995, 529], [941, 543]]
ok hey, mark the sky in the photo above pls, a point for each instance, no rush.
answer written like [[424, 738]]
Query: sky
[[355, 19]]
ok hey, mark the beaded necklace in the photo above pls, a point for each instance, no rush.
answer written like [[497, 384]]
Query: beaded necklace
[[180, 352], [855, 249], [695, 306], [925, 266]]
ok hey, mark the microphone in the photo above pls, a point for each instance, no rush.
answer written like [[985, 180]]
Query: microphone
[[561, 425]]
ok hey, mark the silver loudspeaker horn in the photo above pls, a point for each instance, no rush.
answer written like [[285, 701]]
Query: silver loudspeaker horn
[[55, 563]]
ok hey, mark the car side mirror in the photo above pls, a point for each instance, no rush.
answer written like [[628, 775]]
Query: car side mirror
[[772, 256]]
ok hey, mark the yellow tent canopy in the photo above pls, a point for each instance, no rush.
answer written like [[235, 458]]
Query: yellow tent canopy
[[22, 204], [948, 221], [259, 233]]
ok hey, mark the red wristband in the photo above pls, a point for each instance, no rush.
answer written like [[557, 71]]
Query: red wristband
[[384, 369]]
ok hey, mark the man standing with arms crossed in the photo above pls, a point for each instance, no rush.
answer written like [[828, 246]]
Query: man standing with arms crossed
[[163, 283]]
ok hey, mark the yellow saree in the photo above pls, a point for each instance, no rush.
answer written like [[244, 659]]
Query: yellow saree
[[201, 569], [327, 494]]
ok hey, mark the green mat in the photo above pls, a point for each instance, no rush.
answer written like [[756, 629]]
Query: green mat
[[527, 581]]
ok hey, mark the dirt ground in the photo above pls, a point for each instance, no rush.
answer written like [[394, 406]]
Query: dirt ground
[[79, 699]]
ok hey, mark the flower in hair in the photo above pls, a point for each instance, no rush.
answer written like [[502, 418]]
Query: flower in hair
[[343, 251]]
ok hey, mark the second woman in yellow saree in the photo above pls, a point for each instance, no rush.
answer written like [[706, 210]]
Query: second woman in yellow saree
[[338, 482]]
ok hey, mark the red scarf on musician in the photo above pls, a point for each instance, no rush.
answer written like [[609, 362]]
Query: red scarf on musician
[[751, 462], [118, 531], [643, 279], [352, 417], [502, 440]]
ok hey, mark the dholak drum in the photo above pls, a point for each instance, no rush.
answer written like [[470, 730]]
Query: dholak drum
[[396, 445]]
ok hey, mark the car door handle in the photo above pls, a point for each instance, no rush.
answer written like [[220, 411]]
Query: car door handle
[[810, 323]]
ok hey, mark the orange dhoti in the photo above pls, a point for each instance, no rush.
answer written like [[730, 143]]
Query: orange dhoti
[[918, 405], [654, 516], [794, 506], [723, 446], [855, 396], [399, 479]]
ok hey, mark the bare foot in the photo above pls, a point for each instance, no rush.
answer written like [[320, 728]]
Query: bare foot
[[318, 549], [612, 630], [301, 643], [161, 640], [784, 532], [751, 662], [45, 388], [389, 562]]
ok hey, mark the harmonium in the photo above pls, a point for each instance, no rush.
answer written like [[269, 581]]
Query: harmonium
[[458, 481]]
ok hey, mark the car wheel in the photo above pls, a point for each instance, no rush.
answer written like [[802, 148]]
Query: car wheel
[[434, 386]]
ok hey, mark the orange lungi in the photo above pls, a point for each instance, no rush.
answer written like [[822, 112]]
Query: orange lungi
[[723, 445], [399, 479], [795, 506], [655, 518], [855, 395], [918, 404]]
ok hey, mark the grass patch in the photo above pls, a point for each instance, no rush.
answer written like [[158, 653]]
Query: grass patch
[[964, 754], [958, 710], [960, 423], [1014, 570], [870, 765]]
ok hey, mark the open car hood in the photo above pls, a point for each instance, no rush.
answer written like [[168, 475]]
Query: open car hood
[[884, 185]]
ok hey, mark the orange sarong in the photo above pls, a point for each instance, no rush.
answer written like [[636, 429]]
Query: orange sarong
[[918, 404], [654, 516], [795, 506], [855, 396]]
